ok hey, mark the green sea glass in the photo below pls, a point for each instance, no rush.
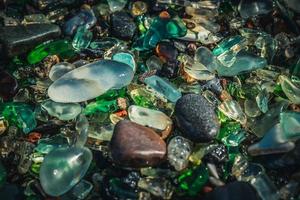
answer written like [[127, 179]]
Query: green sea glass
[[62, 48], [20, 115], [160, 28], [143, 98], [290, 124], [101, 106], [82, 38], [63, 168], [192, 180]]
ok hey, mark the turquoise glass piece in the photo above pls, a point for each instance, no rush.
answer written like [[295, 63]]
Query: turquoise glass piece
[[273, 142], [290, 88], [46, 145], [90, 81], [63, 111], [82, 38], [163, 88], [234, 139], [63, 168], [290, 124], [244, 63], [62, 48], [126, 58], [227, 44], [161, 28], [20, 115]]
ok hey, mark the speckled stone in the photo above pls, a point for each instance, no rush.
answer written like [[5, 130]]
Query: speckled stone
[[196, 118], [133, 145], [122, 25]]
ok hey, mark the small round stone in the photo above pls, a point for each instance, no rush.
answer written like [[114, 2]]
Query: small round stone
[[196, 118], [122, 25]]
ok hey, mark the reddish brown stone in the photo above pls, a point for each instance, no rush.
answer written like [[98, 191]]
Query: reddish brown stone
[[133, 145]]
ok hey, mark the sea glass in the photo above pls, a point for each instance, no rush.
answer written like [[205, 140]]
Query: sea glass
[[290, 88], [82, 128], [227, 44], [126, 58], [101, 106], [233, 110], [204, 56], [60, 69], [162, 27], [251, 108], [20, 115], [116, 5], [62, 48], [179, 150], [91, 80], [46, 145], [163, 88], [85, 18], [262, 100], [290, 124], [273, 142], [82, 38], [63, 168], [80, 191], [244, 62], [198, 71], [191, 181], [255, 7], [63, 111], [148, 117]]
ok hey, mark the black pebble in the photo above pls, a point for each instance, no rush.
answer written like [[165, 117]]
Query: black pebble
[[196, 118], [122, 25]]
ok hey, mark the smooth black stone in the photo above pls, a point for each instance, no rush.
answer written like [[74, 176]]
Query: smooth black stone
[[233, 191], [17, 40], [196, 118], [122, 25]]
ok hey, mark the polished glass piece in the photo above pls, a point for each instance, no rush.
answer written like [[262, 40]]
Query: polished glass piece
[[59, 69], [63, 168], [255, 7], [89, 81], [82, 38], [290, 88], [116, 5], [148, 117], [62, 48], [233, 110], [290, 124], [63, 111], [46, 145], [126, 58], [163, 88]]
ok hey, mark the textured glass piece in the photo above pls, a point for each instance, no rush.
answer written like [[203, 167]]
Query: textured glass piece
[[82, 38], [59, 69], [255, 7], [227, 44], [89, 81], [244, 63], [233, 110], [116, 5], [62, 48], [204, 56], [126, 58], [148, 117], [290, 88], [163, 88], [63, 111], [179, 150], [290, 124], [19, 114], [63, 168], [192, 180], [161, 28], [273, 142]]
